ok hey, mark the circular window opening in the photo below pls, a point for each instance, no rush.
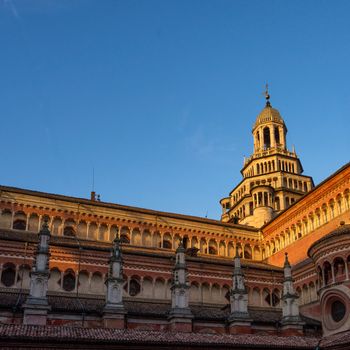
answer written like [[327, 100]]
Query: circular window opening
[[338, 310]]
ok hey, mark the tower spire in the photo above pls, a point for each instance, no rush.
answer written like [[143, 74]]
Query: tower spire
[[114, 311], [180, 315], [267, 95], [291, 321], [239, 319], [36, 306]]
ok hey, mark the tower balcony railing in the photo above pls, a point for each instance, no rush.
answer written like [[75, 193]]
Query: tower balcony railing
[[268, 152]]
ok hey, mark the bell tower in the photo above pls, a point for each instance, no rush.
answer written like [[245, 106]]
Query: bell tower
[[269, 131], [272, 175]]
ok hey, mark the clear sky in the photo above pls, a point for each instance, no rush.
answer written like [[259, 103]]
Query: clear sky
[[159, 97]]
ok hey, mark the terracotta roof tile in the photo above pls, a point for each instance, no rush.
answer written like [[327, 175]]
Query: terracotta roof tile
[[115, 336], [94, 305]]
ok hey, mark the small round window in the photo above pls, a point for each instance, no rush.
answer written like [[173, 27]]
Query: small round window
[[338, 310]]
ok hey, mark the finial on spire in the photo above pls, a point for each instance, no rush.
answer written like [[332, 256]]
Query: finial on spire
[[286, 261], [116, 251], [180, 248], [267, 95], [237, 252]]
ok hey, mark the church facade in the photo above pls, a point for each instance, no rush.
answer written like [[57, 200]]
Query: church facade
[[274, 271]]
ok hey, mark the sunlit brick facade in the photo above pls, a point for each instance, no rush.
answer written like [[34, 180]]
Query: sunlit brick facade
[[230, 277]]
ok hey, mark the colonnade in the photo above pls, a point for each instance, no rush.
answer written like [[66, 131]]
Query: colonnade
[[321, 215]]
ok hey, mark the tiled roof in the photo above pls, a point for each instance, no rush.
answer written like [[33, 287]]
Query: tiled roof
[[340, 340], [61, 303], [342, 230], [71, 335]]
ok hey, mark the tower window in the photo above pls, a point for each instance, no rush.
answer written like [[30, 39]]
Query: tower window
[[267, 138], [277, 135], [251, 208]]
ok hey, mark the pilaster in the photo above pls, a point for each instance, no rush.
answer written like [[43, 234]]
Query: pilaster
[[180, 316], [114, 311], [36, 306], [291, 321], [239, 319]]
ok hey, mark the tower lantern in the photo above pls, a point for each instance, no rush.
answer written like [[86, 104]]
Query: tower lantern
[[272, 175]]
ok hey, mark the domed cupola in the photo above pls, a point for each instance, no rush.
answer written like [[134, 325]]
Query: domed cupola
[[269, 130], [268, 115]]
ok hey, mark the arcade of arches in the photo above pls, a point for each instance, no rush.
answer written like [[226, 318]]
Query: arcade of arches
[[274, 209]]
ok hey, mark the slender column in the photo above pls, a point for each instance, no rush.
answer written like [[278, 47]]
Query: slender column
[[272, 137], [76, 281], [27, 221], [153, 287], [141, 283], [161, 239], [104, 276], [282, 138], [87, 229], [62, 277], [333, 274], [323, 278], [346, 271], [51, 223], [128, 286], [16, 274], [98, 233], [62, 226], [40, 220], [109, 232], [12, 217]]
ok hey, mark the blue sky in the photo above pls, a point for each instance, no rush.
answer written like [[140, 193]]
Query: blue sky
[[159, 97]]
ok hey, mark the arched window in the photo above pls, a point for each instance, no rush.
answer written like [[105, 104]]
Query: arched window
[[213, 247], [185, 241], [277, 203], [277, 135], [287, 202], [267, 138], [305, 187], [134, 287], [19, 225], [266, 296], [327, 270], [68, 281], [8, 275], [247, 252], [69, 231], [124, 239], [275, 298]]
